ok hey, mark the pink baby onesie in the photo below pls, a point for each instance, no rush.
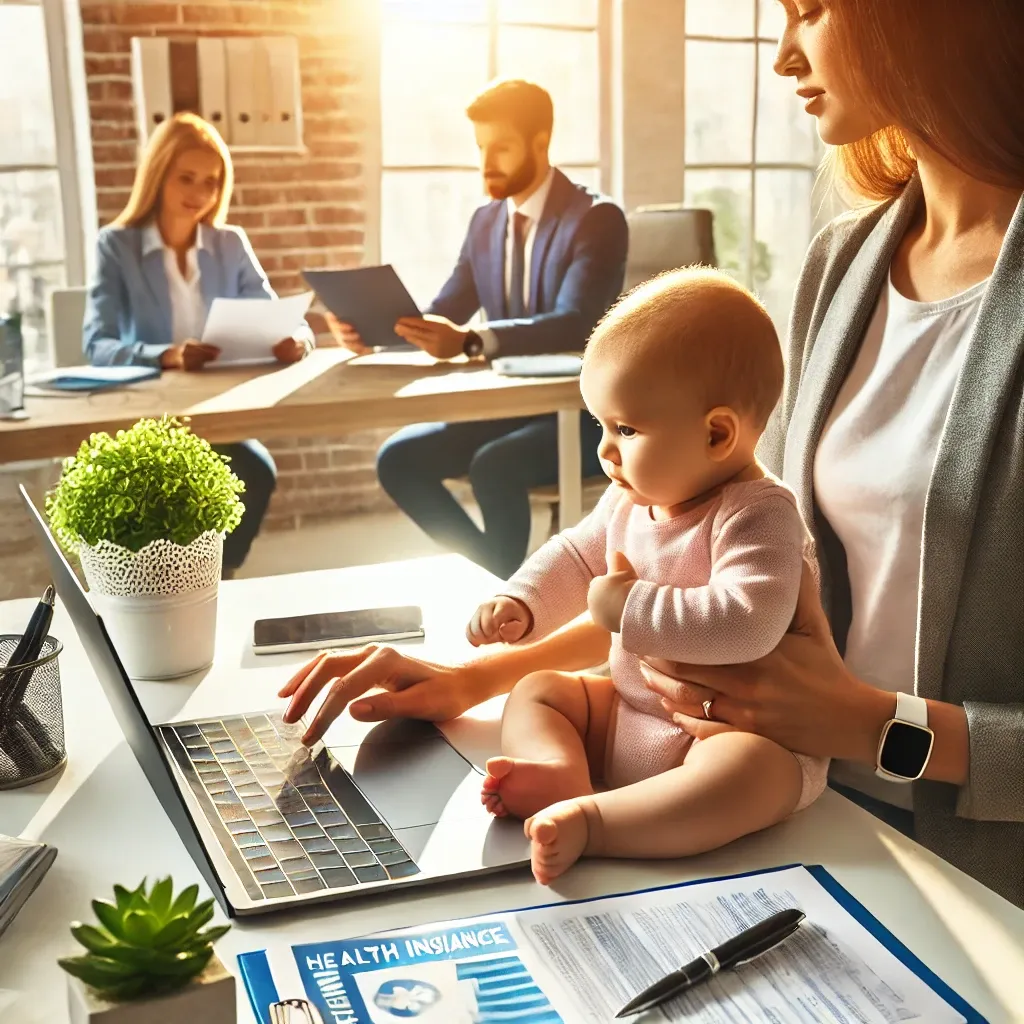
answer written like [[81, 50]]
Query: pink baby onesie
[[717, 586]]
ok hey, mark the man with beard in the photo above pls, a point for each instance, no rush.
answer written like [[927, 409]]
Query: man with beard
[[543, 261]]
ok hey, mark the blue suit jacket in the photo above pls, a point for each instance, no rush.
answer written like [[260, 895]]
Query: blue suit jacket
[[128, 316], [576, 271]]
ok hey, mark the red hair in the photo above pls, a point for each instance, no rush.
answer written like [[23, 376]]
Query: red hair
[[946, 72]]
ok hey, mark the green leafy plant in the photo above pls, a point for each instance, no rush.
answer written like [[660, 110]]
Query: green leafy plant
[[147, 944], [156, 480]]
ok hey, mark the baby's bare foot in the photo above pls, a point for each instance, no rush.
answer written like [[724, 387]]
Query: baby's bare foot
[[558, 838], [520, 788]]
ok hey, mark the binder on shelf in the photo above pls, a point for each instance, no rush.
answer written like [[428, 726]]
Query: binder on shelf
[[240, 61], [213, 87], [151, 83], [284, 127], [262, 102]]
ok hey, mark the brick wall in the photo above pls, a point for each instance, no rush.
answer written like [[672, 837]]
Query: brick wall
[[299, 211]]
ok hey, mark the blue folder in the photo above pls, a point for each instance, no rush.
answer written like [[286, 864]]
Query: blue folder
[[371, 299], [93, 378], [262, 990]]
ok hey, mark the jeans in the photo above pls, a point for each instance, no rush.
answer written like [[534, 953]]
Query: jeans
[[504, 459], [254, 466]]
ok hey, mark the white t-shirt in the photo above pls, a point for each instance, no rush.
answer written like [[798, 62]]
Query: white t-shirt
[[871, 475]]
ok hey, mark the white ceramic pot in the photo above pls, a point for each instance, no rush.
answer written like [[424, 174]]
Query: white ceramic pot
[[161, 636], [209, 999], [159, 604]]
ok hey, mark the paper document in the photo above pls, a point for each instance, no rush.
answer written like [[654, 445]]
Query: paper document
[[246, 330], [538, 366], [579, 963]]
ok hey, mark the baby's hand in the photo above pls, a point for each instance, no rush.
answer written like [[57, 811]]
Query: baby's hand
[[502, 619], [607, 595]]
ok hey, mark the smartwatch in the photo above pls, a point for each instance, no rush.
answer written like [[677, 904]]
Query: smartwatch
[[905, 745], [473, 346]]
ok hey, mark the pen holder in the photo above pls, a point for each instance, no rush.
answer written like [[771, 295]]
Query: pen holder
[[31, 715]]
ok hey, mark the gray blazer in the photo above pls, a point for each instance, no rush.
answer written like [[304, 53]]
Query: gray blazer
[[970, 630]]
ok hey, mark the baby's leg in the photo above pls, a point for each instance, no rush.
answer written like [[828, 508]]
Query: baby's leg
[[730, 784], [554, 723]]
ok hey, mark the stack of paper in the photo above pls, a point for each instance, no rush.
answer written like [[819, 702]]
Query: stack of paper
[[22, 866]]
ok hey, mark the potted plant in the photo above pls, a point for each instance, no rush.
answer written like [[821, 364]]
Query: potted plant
[[146, 512], [149, 961]]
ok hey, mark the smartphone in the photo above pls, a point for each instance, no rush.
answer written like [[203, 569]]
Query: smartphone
[[336, 629]]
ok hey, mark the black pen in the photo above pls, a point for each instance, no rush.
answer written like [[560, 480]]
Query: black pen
[[741, 949], [28, 650]]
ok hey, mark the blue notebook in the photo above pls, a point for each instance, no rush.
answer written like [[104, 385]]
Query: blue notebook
[[580, 961], [92, 378]]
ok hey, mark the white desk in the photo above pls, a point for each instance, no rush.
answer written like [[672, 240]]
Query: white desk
[[108, 825]]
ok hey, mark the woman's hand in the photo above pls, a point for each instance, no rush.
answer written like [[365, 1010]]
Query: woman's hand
[[189, 355], [801, 695], [290, 350], [413, 688]]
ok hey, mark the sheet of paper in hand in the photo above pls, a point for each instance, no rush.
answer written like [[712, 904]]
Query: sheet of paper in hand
[[246, 330]]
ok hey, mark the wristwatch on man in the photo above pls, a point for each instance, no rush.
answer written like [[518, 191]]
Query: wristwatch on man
[[473, 346], [905, 745]]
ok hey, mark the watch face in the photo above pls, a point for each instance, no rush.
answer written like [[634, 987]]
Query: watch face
[[905, 749]]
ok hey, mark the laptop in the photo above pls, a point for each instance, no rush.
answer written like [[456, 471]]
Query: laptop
[[271, 824]]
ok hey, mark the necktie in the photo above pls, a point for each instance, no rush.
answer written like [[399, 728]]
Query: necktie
[[516, 306]]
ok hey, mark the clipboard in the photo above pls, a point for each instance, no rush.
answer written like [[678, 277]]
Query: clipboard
[[371, 299]]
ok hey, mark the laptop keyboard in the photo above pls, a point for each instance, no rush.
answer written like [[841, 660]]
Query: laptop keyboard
[[289, 822]]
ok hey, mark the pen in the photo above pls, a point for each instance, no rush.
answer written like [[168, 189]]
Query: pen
[[740, 949], [28, 650]]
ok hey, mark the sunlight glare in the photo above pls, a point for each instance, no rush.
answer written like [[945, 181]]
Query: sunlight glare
[[437, 10]]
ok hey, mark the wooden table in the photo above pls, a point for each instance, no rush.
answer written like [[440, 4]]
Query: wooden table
[[330, 392]]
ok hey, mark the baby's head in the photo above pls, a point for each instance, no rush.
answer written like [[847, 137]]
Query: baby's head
[[682, 374]]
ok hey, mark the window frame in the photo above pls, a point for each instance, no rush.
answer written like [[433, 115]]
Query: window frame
[[494, 24], [66, 163], [755, 41]]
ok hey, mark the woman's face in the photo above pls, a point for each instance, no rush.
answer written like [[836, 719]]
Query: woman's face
[[808, 53], [192, 186]]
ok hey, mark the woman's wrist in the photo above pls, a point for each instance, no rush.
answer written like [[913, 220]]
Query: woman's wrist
[[950, 757], [874, 707]]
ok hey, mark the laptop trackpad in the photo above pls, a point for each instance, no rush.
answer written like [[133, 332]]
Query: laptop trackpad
[[407, 770]]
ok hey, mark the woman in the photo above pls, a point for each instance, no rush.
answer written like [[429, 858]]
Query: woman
[[161, 264], [901, 432]]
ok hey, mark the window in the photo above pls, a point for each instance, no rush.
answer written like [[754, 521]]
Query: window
[[435, 55], [751, 152], [32, 249]]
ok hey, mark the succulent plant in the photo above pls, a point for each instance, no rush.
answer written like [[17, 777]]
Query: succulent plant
[[147, 944]]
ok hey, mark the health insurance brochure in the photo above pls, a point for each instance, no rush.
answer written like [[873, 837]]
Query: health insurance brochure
[[579, 963]]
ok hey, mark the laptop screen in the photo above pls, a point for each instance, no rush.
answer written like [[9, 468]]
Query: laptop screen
[[124, 701]]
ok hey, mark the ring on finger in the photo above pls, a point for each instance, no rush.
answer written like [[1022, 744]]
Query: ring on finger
[[707, 709]]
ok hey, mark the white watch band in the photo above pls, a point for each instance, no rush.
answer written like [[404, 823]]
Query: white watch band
[[914, 711], [911, 708]]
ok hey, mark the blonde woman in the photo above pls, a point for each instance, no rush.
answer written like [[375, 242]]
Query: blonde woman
[[160, 265]]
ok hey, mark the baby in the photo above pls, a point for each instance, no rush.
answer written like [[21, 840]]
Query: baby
[[693, 554]]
